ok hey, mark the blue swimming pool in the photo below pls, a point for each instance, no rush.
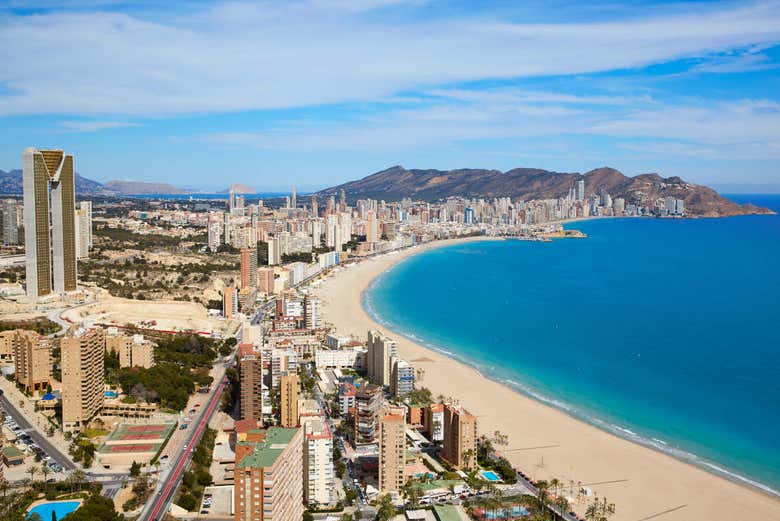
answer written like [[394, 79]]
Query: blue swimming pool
[[60, 509], [490, 475], [110, 394]]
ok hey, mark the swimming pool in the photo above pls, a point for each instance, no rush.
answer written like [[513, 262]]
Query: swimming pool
[[60, 509], [489, 475], [110, 394]]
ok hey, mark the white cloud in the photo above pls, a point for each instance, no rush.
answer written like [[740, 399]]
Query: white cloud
[[241, 56], [94, 126]]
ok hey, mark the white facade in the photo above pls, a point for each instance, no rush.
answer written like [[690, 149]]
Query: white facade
[[318, 473]]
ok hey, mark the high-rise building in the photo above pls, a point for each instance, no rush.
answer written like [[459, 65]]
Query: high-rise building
[[83, 227], [318, 475], [215, 235], [288, 400], [229, 302], [274, 252], [10, 218], [372, 227], [315, 209], [460, 437], [268, 484], [49, 221], [248, 267], [381, 349], [312, 308], [392, 452], [265, 280], [294, 199], [402, 378], [250, 368], [32, 358], [82, 376], [368, 403], [433, 421], [581, 190]]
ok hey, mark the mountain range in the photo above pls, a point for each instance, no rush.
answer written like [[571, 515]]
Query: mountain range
[[11, 184], [396, 183]]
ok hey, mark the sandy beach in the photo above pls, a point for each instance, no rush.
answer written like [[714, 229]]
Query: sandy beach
[[643, 483]]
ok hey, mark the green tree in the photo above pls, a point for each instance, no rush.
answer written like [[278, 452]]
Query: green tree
[[385, 510], [135, 469]]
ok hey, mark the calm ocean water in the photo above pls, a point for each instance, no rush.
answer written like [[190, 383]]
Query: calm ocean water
[[662, 331]]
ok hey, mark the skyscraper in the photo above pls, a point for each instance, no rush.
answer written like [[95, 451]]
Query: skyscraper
[[581, 190], [294, 199], [83, 229], [49, 208], [312, 309], [315, 210]]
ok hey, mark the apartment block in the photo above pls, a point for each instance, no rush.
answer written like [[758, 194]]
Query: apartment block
[[268, 484], [401, 378], [250, 368], [392, 452], [133, 351], [82, 376], [288, 399], [318, 473], [381, 351], [460, 437], [368, 404], [248, 267], [31, 353]]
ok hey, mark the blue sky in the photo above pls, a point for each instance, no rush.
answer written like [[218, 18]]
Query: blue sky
[[317, 92]]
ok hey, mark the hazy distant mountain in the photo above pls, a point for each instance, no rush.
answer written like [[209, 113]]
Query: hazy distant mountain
[[397, 182], [11, 183], [239, 188], [139, 187]]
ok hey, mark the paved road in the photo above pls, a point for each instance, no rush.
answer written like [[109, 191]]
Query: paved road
[[41, 440], [158, 505]]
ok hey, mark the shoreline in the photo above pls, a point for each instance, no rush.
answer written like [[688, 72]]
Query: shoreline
[[643, 481]]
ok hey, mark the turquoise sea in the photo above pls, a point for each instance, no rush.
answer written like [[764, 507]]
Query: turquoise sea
[[666, 332]]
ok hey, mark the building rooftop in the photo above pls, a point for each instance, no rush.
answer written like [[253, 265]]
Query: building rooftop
[[266, 452]]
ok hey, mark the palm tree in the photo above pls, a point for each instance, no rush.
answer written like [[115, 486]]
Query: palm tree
[[45, 470], [543, 487], [600, 510], [78, 477], [32, 471]]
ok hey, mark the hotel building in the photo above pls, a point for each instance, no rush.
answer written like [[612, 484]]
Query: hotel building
[[433, 421], [288, 399], [392, 452], [460, 437], [268, 484], [82, 377], [229, 302], [10, 218], [250, 368], [381, 350], [49, 221]]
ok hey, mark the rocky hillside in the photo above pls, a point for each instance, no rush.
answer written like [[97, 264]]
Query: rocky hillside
[[397, 182]]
